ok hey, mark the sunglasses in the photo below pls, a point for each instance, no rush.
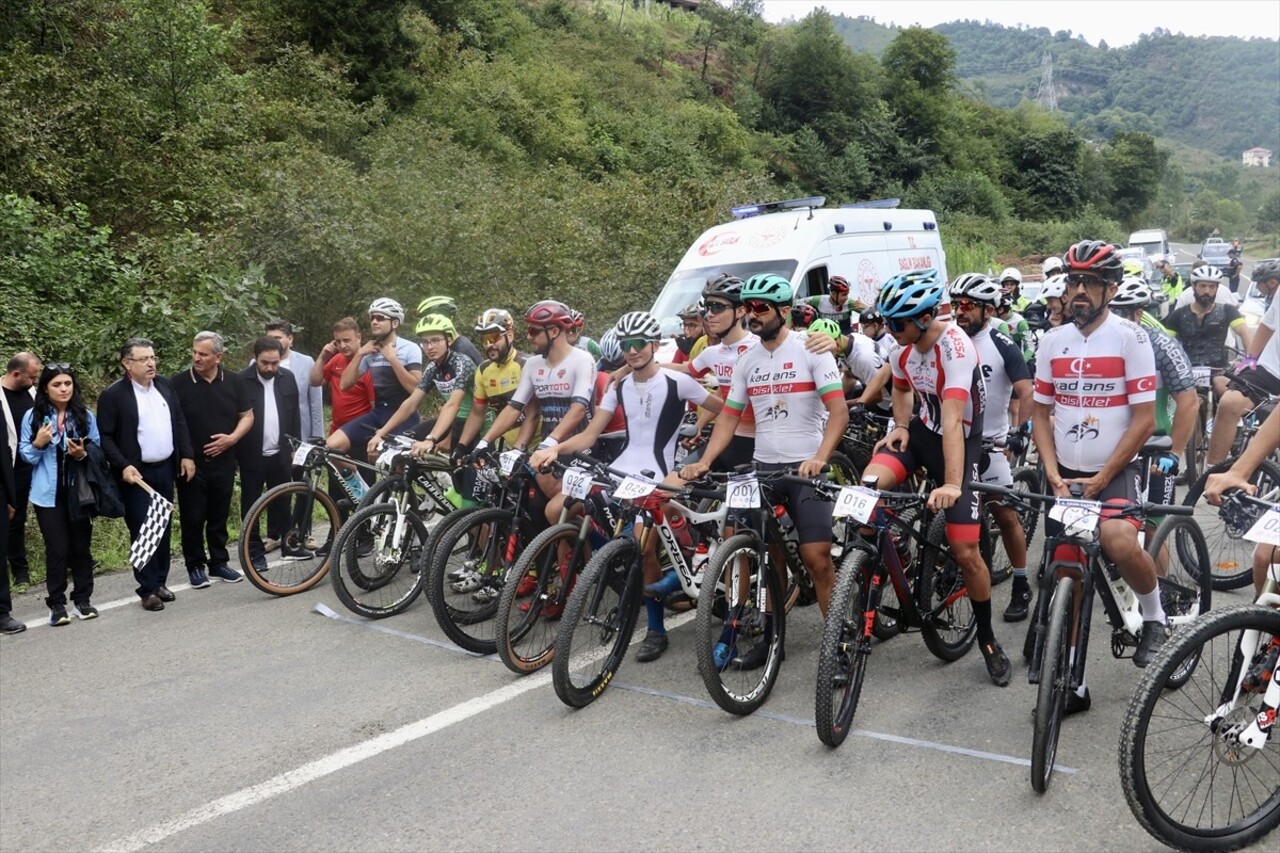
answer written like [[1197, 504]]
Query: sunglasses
[[58, 367], [534, 331], [967, 305], [144, 359], [379, 318], [633, 344], [716, 307], [1126, 311], [1075, 280], [493, 338], [758, 306], [899, 324]]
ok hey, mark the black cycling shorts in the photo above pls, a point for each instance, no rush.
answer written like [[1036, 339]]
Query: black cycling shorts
[[812, 517], [924, 450], [1121, 491], [1258, 385]]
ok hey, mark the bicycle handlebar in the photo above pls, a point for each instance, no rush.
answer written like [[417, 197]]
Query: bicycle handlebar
[[1028, 498]]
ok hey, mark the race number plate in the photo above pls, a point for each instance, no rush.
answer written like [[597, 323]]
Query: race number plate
[[1203, 375], [856, 502], [388, 456], [632, 488], [507, 461], [744, 492], [1078, 517], [1266, 530], [576, 483], [300, 455]]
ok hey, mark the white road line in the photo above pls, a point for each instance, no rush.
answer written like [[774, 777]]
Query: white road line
[[110, 605]]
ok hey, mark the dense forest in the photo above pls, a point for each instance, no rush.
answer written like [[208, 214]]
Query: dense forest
[[171, 165]]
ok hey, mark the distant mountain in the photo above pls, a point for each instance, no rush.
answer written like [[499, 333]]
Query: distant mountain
[[1215, 93]]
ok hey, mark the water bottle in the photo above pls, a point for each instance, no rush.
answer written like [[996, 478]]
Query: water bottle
[[700, 556], [355, 486], [680, 527], [790, 539]]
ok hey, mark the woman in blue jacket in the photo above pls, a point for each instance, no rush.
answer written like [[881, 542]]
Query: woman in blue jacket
[[57, 427]]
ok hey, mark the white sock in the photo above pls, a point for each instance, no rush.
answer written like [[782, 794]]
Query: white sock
[[1152, 609]]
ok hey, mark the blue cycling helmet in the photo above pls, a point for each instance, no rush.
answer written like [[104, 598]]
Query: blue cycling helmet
[[769, 288], [911, 294]]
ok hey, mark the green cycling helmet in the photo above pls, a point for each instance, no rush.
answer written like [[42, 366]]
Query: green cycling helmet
[[769, 288], [826, 326], [436, 323]]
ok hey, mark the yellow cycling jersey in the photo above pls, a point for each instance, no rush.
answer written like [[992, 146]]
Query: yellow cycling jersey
[[495, 383]]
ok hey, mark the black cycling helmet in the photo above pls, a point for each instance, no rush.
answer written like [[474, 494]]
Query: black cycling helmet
[[1265, 270]]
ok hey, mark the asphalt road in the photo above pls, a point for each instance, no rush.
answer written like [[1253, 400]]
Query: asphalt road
[[232, 720]]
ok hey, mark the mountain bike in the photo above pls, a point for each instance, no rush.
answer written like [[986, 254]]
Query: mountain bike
[[1231, 551], [311, 522], [1072, 569], [1200, 766], [601, 614]]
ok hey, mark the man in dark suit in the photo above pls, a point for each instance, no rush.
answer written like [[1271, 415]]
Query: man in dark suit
[[144, 436], [266, 458], [8, 497]]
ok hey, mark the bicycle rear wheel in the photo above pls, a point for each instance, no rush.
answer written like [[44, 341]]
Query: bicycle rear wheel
[[474, 547], [533, 598], [599, 621], [1231, 554], [740, 651], [846, 645], [948, 624], [1027, 479], [309, 515], [1055, 681], [1187, 777], [889, 614], [1181, 556], [378, 569]]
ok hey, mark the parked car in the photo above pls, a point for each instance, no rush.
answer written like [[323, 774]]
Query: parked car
[[1216, 251], [1138, 254]]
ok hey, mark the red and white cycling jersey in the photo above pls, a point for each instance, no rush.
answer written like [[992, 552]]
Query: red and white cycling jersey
[[787, 389], [557, 387], [1092, 383], [948, 370], [720, 359]]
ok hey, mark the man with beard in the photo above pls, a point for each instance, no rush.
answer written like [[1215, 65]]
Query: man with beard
[[1203, 325], [723, 317], [264, 453]]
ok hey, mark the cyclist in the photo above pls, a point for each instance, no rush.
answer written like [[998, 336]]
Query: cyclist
[[1011, 284], [1237, 476], [451, 374], [1177, 403], [939, 363], [860, 360], [1170, 281], [614, 433], [654, 399], [871, 324], [723, 317], [1052, 294], [496, 380], [579, 340], [802, 315], [1258, 373], [1203, 326], [834, 304], [974, 298], [800, 414], [690, 331], [1051, 266], [1094, 408], [395, 364], [445, 306]]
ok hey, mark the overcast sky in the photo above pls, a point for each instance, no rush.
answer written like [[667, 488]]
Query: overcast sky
[[1120, 22]]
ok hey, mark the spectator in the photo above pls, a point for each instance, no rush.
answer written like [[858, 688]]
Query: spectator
[[17, 398], [264, 453], [1235, 261], [144, 436], [310, 399], [334, 357], [65, 424], [216, 406], [8, 625]]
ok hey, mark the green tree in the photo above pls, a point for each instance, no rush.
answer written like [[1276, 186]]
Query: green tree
[[1134, 167]]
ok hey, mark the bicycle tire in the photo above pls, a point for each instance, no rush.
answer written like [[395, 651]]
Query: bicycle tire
[[599, 622], [524, 632], [949, 633], [481, 536], [1165, 739], [1194, 453], [888, 622], [1027, 479], [1232, 556], [745, 624], [1186, 590], [846, 645], [290, 577], [388, 579], [381, 489], [1055, 681]]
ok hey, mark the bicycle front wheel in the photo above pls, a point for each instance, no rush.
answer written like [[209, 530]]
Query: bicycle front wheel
[[740, 625], [1055, 681], [306, 516], [1231, 554], [846, 645], [599, 621], [378, 570], [466, 576], [1189, 778], [1182, 564], [533, 598], [948, 624]]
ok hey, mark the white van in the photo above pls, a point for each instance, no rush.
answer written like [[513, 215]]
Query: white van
[[1153, 241], [799, 239]]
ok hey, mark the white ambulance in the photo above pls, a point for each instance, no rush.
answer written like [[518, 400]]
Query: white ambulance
[[867, 243]]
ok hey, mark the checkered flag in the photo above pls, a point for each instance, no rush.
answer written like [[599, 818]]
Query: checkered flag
[[155, 527]]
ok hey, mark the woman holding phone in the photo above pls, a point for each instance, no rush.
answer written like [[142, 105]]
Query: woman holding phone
[[57, 427]]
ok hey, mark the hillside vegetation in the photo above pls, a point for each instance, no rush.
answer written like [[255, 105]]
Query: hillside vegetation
[[173, 165]]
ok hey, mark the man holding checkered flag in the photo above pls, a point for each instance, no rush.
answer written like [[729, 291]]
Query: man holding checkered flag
[[144, 436]]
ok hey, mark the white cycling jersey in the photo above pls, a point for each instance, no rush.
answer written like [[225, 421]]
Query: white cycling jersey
[[654, 410], [557, 387], [950, 369], [1002, 366], [787, 389], [719, 360], [1092, 382]]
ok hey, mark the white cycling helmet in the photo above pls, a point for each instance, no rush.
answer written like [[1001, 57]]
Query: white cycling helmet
[[638, 324], [1051, 265], [1133, 290], [1205, 272], [1011, 273], [976, 286], [1055, 287], [390, 307]]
